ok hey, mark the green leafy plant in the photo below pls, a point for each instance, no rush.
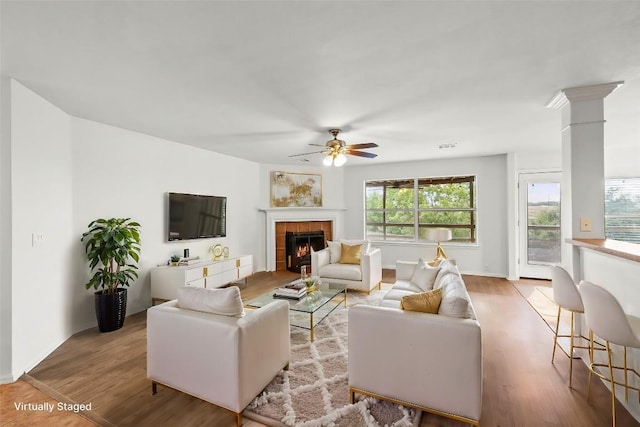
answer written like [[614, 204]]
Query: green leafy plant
[[110, 244], [175, 258]]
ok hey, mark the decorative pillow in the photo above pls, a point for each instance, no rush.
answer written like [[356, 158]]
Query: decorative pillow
[[455, 299], [441, 262], [366, 245], [424, 302], [350, 254], [424, 275], [334, 250], [224, 301], [446, 267]]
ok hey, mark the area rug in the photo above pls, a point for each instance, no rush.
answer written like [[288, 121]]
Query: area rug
[[315, 391]]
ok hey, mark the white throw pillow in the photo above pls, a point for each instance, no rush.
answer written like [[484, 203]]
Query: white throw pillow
[[424, 275], [455, 299], [224, 301], [335, 250], [446, 267]]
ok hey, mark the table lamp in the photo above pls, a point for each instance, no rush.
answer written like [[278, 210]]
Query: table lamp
[[439, 235]]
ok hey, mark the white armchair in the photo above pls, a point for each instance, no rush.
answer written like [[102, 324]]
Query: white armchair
[[223, 360], [364, 276]]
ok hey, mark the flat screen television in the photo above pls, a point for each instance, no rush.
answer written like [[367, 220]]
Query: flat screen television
[[195, 216]]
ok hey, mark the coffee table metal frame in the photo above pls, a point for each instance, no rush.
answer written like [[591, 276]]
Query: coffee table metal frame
[[322, 302]]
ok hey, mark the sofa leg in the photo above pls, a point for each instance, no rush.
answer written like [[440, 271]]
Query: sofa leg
[[352, 396], [239, 419], [154, 387], [286, 367]]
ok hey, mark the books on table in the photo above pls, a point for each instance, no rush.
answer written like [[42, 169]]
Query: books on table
[[295, 290]]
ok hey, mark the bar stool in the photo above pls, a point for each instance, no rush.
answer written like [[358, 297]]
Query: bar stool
[[567, 297], [607, 319]]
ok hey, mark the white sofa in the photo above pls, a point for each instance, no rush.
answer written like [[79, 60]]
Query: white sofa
[[429, 361], [224, 360], [364, 276]]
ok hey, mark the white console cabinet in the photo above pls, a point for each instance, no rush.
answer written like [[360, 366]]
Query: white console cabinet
[[165, 280]]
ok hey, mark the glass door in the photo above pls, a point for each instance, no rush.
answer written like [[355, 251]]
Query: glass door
[[539, 223]]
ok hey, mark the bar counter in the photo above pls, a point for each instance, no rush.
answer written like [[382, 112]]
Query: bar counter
[[630, 251], [615, 266]]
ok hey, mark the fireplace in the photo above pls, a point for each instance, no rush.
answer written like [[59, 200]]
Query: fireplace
[[298, 248]]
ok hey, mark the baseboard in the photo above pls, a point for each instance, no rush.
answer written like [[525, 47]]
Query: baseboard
[[484, 273], [7, 379]]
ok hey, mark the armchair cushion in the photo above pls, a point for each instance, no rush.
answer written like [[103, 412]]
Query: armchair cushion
[[341, 271], [224, 301]]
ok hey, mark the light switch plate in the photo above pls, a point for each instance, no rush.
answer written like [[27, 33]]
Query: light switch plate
[[585, 224]]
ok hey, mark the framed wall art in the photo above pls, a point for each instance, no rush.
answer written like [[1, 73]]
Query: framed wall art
[[295, 190]]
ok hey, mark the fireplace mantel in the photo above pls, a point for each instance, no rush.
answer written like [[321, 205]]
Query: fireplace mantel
[[274, 215]]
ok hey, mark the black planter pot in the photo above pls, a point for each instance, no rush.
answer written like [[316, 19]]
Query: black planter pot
[[111, 309]]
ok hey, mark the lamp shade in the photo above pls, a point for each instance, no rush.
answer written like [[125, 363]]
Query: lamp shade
[[340, 160], [438, 234], [328, 160]]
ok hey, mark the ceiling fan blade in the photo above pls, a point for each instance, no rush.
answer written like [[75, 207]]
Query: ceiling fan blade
[[306, 154], [365, 145], [318, 145], [361, 154]]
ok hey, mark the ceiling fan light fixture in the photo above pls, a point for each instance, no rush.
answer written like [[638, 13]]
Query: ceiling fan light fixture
[[340, 160], [335, 150]]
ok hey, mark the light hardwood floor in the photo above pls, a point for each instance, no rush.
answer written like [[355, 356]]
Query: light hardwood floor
[[521, 386]]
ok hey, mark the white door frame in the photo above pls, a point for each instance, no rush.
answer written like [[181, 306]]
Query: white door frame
[[537, 270]]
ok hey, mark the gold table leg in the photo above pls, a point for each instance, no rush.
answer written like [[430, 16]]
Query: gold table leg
[[311, 325]]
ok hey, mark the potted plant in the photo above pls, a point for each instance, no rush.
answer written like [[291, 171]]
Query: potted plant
[[175, 259], [113, 249]]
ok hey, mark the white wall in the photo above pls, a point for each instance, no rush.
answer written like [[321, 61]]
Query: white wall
[[622, 162], [42, 292], [131, 178], [5, 232], [489, 256], [68, 171], [332, 177], [332, 198]]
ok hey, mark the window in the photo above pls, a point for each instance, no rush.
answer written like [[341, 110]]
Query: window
[[622, 209], [403, 210]]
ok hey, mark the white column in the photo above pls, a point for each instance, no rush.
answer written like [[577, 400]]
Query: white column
[[582, 197]]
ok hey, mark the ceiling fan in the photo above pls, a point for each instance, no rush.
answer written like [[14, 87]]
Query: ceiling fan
[[336, 149]]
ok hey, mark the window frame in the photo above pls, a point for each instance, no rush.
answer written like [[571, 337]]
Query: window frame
[[417, 226]]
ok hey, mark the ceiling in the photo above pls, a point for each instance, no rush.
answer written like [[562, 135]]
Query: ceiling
[[261, 80]]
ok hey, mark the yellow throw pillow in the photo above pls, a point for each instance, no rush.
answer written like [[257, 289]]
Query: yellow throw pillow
[[350, 254], [424, 302]]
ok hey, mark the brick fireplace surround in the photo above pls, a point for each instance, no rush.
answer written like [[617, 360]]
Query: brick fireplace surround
[[297, 226], [329, 220]]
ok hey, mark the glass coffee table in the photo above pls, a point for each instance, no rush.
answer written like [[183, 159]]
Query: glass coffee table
[[317, 304]]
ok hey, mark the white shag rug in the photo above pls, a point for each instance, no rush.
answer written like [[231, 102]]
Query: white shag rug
[[315, 391]]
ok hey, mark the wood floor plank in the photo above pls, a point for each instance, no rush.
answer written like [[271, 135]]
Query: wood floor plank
[[521, 386]]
